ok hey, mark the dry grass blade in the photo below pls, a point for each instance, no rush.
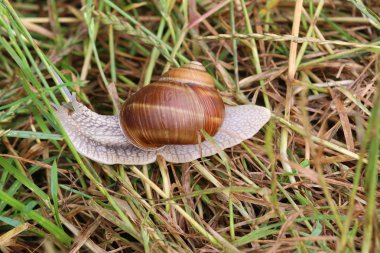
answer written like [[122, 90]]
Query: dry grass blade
[[287, 37], [346, 126]]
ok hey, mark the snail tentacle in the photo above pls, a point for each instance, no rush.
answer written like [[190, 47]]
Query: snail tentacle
[[70, 96], [74, 102]]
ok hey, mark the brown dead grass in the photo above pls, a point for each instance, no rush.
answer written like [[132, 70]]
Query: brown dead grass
[[291, 187]]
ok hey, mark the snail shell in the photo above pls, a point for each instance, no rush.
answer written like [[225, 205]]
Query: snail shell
[[113, 139], [174, 109]]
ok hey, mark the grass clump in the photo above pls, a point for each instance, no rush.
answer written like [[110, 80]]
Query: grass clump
[[308, 182]]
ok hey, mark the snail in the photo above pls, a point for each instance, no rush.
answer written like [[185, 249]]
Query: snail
[[167, 118]]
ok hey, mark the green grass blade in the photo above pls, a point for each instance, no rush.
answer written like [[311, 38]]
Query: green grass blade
[[53, 229]]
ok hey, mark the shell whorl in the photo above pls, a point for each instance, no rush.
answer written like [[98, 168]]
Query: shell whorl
[[191, 73], [174, 109]]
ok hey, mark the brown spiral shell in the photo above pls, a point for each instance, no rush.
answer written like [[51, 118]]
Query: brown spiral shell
[[174, 109]]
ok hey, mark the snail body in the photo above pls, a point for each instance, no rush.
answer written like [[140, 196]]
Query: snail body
[[167, 118]]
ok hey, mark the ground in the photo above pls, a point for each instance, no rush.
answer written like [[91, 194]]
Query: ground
[[307, 182]]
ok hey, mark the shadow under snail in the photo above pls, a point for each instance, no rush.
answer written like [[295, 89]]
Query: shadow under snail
[[165, 118]]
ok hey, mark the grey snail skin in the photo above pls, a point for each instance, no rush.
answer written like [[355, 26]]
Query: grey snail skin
[[167, 118]]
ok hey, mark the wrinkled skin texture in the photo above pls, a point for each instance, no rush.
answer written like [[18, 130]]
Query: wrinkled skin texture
[[101, 139]]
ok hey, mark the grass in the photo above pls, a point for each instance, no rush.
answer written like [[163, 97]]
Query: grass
[[308, 182]]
